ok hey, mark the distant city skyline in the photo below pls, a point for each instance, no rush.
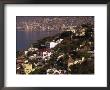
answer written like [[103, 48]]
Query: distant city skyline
[[51, 22]]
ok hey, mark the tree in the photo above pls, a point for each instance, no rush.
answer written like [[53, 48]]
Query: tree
[[39, 71]]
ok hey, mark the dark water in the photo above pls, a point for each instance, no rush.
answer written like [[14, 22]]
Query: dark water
[[25, 38]]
